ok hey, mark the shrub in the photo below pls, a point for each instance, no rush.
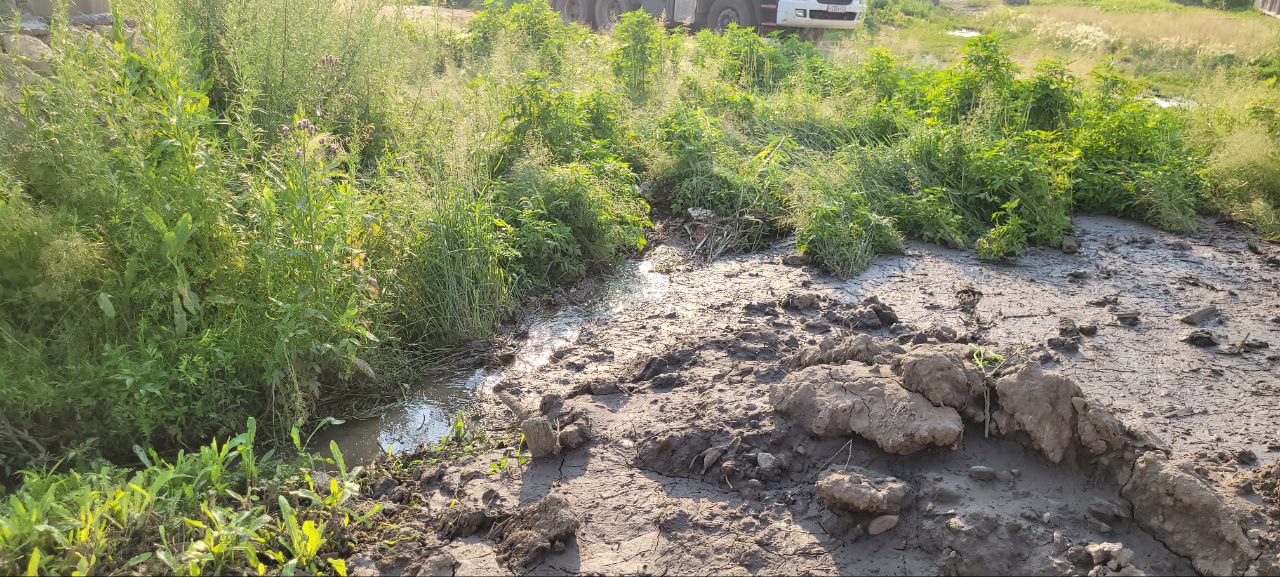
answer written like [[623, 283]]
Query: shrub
[[842, 233], [642, 46], [569, 218]]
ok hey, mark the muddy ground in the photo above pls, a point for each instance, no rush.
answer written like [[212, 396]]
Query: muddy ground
[[933, 415]]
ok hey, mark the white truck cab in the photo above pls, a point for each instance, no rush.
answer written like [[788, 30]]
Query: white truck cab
[[806, 16]]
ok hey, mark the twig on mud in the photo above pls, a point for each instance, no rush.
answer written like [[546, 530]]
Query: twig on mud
[[848, 444]]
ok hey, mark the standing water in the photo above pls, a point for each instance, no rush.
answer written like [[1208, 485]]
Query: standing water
[[426, 414]]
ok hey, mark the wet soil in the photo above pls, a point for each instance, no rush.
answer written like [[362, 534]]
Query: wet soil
[[679, 453]]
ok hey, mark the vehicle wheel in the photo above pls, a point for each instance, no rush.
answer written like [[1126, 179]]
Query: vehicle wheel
[[726, 12], [574, 11], [813, 35], [607, 14]]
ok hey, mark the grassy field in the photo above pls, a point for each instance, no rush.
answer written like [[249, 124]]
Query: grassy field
[[240, 210]]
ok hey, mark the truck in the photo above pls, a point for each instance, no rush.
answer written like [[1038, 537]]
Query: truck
[[809, 18]]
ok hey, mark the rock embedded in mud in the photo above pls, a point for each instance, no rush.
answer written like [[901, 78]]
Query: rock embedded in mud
[[858, 491], [766, 461], [1038, 404], [1201, 315], [881, 524], [1070, 244], [1107, 511], [572, 437], [1188, 517], [1127, 317], [1104, 553], [536, 529], [982, 473], [1200, 338]]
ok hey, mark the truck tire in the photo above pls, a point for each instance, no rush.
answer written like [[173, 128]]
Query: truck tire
[[813, 35], [726, 12], [574, 11], [607, 14]]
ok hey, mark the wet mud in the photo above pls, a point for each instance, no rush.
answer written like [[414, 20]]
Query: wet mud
[[934, 415]]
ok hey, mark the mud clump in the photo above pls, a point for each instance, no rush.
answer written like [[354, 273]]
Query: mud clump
[[1200, 338], [860, 348], [536, 530], [941, 375], [832, 401], [1039, 405], [1099, 431], [1179, 510], [857, 490]]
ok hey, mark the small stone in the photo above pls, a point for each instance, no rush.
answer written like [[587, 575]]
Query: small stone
[[1088, 329], [754, 486], [572, 437], [1060, 544], [1201, 315], [1127, 317], [881, 524], [767, 461], [1200, 338], [362, 567], [1070, 244], [441, 564], [1100, 553], [1246, 457], [981, 473], [1178, 244], [1107, 511], [1067, 327], [796, 259], [1079, 556]]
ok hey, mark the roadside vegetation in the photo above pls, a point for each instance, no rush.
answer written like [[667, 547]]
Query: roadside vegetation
[[242, 210]]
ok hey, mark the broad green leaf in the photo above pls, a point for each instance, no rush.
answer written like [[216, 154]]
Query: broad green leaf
[[104, 303]]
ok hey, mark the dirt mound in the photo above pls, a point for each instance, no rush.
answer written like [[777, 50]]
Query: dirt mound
[[794, 434]]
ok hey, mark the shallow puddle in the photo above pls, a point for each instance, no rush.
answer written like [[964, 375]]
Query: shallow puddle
[[433, 406], [965, 33]]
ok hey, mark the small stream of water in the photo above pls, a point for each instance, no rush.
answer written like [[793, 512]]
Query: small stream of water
[[427, 412]]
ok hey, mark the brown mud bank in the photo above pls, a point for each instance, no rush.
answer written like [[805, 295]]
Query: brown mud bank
[[934, 415]]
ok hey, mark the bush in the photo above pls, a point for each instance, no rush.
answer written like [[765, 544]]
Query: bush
[[571, 218], [643, 46]]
